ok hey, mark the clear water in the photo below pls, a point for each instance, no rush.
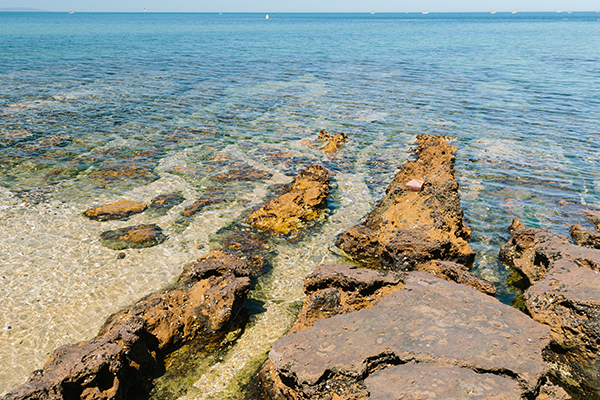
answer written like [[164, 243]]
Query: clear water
[[164, 94]]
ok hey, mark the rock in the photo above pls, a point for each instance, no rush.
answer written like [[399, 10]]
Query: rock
[[594, 218], [458, 273], [334, 142], [115, 211], [340, 289], [430, 322], [563, 292], [133, 237], [161, 204], [241, 171], [408, 228], [306, 196], [431, 381], [132, 344], [584, 237], [126, 171]]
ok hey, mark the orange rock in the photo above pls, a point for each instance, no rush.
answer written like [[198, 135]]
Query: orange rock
[[307, 194], [119, 210]]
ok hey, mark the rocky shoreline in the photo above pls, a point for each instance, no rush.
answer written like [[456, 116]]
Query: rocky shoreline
[[404, 319]]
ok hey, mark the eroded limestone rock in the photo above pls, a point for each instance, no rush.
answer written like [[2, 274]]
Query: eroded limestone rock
[[429, 321], [133, 342], [333, 142], [583, 237], [115, 211], [458, 273], [302, 202], [563, 293], [411, 227]]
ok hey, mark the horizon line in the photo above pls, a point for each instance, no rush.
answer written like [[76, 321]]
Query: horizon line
[[18, 9]]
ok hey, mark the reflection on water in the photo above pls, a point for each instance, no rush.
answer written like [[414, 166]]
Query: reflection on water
[[102, 107]]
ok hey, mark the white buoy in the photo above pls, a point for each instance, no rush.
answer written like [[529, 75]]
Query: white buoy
[[267, 17]]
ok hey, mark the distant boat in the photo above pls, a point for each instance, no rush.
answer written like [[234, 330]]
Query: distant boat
[[559, 12], [267, 17], [493, 12], [513, 12], [372, 12], [70, 12], [425, 12]]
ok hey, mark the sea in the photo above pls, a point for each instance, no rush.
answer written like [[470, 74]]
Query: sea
[[101, 107]]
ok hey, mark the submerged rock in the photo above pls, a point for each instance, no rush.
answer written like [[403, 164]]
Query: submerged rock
[[563, 292], [161, 204], [131, 345], [302, 202], [133, 237], [411, 227], [115, 211], [442, 328], [241, 171]]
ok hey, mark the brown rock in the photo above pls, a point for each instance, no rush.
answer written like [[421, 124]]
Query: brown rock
[[458, 273], [429, 321], [432, 381], [306, 196], [340, 289], [564, 294], [133, 237], [132, 343], [115, 211], [583, 237], [408, 228], [594, 218]]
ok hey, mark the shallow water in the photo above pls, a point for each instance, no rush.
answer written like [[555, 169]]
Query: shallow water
[[165, 96]]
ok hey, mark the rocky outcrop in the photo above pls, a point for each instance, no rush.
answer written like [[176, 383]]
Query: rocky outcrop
[[333, 142], [340, 289], [411, 227], [133, 237], [115, 211], [132, 343], [562, 282], [583, 237], [430, 326], [303, 200]]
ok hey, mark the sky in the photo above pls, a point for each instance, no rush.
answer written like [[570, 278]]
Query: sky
[[274, 6]]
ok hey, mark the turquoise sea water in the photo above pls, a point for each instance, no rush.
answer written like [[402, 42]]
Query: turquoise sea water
[[163, 94]]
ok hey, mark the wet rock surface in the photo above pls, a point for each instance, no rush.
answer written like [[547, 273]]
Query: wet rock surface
[[563, 292], [115, 211], [241, 171], [429, 321], [161, 204], [132, 343], [133, 237], [411, 227], [305, 198]]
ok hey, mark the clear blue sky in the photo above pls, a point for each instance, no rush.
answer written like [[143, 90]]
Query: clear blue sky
[[305, 5]]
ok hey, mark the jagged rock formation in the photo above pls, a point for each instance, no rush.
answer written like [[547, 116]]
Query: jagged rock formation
[[133, 342], [452, 331], [410, 227], [563, 293], [333, 142], [302, 202], [583, 237]]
